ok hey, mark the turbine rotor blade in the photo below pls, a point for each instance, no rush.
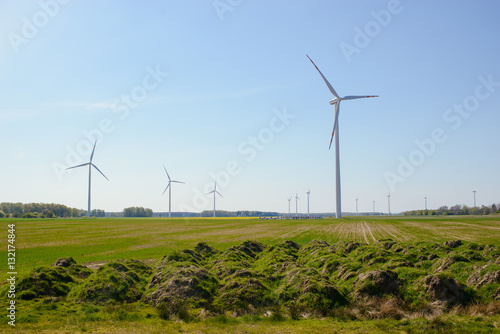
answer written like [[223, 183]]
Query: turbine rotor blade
[[178, 181], [99, 171], [354, 97], [219, 193], [326, 81], [210, 192], [167, 173], [166, 188], [337, 107], [85, 164], [92, 155]]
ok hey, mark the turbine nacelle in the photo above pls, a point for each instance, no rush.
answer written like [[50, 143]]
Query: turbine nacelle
[[334, 101]]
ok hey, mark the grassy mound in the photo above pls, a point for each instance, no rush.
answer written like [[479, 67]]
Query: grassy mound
[[116, 281], [52, 281]]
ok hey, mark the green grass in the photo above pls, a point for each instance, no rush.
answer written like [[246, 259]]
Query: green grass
[[40, 242], [43, 241]]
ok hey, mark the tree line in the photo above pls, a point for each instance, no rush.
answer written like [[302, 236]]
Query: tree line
[[456, 210], [137, 212], [43, 210]]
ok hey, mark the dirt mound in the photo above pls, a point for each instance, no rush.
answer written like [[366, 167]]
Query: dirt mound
[[232, 259], [52, 281], [350, 246], [120, 281], [313, 245], [277, 259], [377, 283], [205, 250], [251, 248], [447, 262], [442, 288], [453, 243], [191, 284], [487, 274], [309, 290], [385, 244], [74, 269], [185, 255], [45, 282], [65, 262], [242, 294]]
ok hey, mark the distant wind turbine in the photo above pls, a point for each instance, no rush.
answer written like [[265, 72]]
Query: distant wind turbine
[[289, 199], [90, 164], [296, 204], [336, 102], [308, 193], [215, 192], [169, 187], [389, 204]]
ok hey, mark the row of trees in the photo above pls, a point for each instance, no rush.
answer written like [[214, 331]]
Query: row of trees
[[43, 210], [221, 213], [38, 210], [456, 210], [137, 212]]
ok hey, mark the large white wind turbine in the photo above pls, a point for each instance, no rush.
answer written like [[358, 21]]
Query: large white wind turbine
[[215, 192], [169, 187], [289, 213], [336, 102], [90, 164]]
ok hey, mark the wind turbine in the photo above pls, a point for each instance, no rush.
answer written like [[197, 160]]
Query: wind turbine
[[289, 199], [215, 192], [296, 204], [389, 203], [169, 187], [336, 102], [308, 193], [90, 164]]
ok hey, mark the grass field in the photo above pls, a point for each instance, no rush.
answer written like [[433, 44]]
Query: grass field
[[93, 241]]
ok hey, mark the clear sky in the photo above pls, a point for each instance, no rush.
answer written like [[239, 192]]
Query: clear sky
[[224, 89]]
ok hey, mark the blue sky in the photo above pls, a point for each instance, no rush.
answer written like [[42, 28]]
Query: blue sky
[[223, 89]]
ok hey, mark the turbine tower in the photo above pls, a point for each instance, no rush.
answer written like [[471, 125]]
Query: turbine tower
[[308, 193], [90, 164], [336, 102], [289, 214], [215, 192], [356, 207], [297, 204], [169, 187], [389, 203]]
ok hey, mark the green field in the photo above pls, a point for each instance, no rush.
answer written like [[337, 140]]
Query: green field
[[43, 241], [95, 242]]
